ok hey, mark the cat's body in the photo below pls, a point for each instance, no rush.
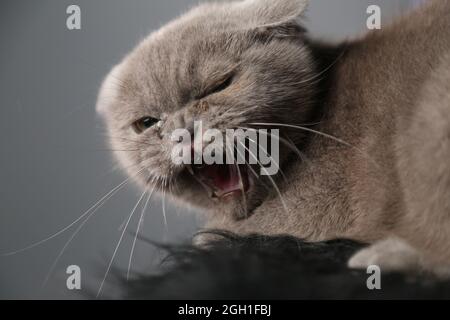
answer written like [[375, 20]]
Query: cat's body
[[385, 98]]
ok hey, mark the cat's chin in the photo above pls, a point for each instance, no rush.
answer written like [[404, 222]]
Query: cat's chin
[[217, 189]]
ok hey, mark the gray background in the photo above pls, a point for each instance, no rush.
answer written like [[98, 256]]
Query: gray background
[[54, 162]]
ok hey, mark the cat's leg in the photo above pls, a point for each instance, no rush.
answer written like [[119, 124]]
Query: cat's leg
[[395, 255], [422, 150], [392, 254], [204, 239]]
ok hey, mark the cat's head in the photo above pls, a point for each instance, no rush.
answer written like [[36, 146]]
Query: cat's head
[[227, 64]]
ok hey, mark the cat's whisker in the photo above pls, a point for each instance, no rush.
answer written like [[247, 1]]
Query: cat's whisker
[[270, 178], [122, 167], [145, 164], [140, 223], [241, 184], [272, 159], [325, 135], [171, 186], [291, 145], [164, 210], [33, 245], [252, 170], [306, 161], [326, 69], [122, 225], [304, 129], [263, 149], [75, 233], [118, 244], [287, 143]]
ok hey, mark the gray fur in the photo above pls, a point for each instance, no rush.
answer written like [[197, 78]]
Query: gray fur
[[386, 95]]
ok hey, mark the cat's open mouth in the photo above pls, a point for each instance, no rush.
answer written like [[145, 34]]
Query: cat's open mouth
[[222, 181]]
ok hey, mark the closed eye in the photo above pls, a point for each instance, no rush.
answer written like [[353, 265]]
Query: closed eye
[[219, 87]]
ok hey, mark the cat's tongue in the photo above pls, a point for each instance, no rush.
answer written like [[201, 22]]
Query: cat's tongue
[[224, 180]]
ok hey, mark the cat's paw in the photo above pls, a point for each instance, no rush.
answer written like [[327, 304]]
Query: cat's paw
[[204, 240], [390, 255]]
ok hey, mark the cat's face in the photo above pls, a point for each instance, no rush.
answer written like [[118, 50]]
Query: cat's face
[[225, 64]]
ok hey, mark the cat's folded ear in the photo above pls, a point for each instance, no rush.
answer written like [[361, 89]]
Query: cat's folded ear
[[275, 17], [108, 91]]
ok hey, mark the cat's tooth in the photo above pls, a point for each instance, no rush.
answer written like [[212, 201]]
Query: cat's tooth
[[213, 195], [191, 171], [199, 166]]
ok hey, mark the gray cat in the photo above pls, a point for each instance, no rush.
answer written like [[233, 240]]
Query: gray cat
[[365, 125]]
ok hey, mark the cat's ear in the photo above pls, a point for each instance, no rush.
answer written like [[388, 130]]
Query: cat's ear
[[266, 13], [273, 18], [108, 91]]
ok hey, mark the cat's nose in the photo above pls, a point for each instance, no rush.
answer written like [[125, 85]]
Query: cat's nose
[[177, 121]]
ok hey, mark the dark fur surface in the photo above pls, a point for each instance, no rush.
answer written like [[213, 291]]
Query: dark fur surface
[[262, 267]]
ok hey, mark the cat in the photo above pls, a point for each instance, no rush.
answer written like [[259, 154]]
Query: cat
[[364, 125]]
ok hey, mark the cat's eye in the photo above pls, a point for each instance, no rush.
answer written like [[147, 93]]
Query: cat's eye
[[219, 86], [222, 86], [144, 123]]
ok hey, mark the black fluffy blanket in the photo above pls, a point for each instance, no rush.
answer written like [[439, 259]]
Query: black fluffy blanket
[[261, 267]]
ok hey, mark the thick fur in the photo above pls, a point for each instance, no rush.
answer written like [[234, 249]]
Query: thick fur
[[385, 97], [262, 267]]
